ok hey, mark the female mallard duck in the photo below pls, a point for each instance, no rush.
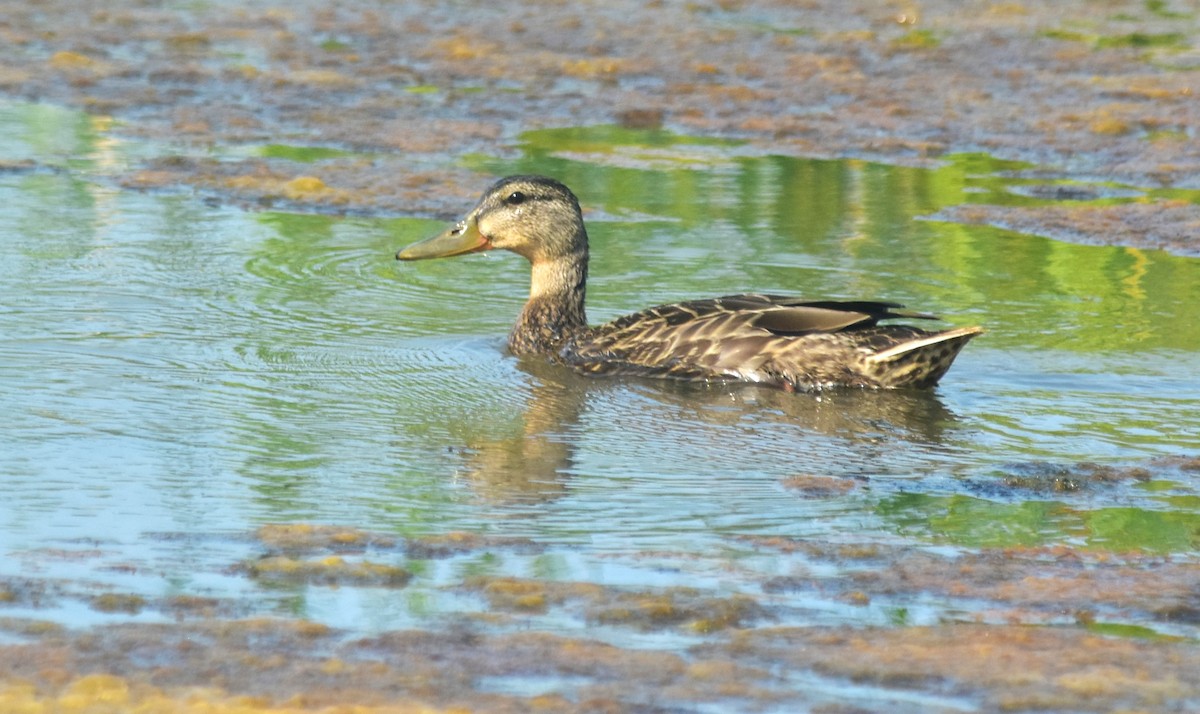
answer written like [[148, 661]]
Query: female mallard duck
[[769, 339]]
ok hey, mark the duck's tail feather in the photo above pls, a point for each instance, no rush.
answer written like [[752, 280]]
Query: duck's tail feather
[[920, 362]]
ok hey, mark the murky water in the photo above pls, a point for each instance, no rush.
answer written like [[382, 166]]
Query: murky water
[[175, 373]]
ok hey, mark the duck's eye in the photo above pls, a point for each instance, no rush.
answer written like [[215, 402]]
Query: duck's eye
[[515, 198]]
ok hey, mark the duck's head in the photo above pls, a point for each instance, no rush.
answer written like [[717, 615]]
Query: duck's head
[[533, 216]]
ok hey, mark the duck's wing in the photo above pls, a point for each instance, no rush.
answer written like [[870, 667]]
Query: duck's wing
[[779, 314], [725, 336]]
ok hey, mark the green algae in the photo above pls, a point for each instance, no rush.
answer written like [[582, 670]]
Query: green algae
[[1143, 40], [301, 154], [1132, 40], [976, 522], [921, 39], [1118, 629], [1162, 9]]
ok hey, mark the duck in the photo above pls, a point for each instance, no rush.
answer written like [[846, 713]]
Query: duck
[[776, 340]]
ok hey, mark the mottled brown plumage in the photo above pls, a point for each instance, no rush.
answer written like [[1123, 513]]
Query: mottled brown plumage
[[770, 339]]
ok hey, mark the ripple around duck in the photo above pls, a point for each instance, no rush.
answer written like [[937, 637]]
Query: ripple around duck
[[361, 290], [336, 264]]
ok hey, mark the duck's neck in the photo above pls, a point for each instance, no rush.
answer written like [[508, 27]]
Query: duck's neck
[[554, 312]]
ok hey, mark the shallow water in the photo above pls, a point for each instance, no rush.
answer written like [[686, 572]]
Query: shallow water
[[175, 373]]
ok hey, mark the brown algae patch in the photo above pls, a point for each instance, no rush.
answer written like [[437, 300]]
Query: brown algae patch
[[678, 608], [1003, 668], [119, 602], [519, 595], [523, 595], [814, 486], [330, 570], [288, 543], [106, 694], [30, 592], [24, 627], [1011, 585], [267, 187], [445, 545], [312, 553], [683, 608], [281, 666], [198, 606], [276, 665], [1065, 479], [307, 537], [1183, 463], [344, 184], [992, 660]]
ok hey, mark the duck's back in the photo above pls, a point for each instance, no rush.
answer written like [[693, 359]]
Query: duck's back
[[772, 339]]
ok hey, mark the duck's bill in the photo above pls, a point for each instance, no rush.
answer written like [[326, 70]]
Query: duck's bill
[[462, 237]]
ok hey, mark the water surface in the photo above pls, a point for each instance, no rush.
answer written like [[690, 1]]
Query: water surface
[[175, 373]]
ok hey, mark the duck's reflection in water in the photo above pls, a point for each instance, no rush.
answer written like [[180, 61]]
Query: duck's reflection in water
[[533, 464], [723, 427]]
